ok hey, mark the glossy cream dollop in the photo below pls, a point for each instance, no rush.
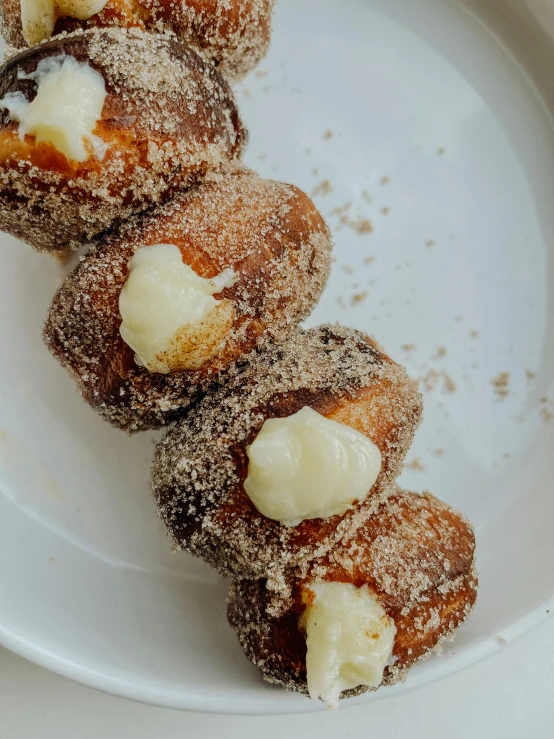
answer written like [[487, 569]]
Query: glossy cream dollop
[[349, 639], [39, 16], [308, 466], [169, 315], [68, 104]]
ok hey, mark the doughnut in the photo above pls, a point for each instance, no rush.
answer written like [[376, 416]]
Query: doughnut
[[98, 125], [260, 247], [382, 600], [233, 34], [326, 405]]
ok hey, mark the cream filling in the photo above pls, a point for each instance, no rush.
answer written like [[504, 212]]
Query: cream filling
[[170, 318], [308, 466], [39, 16], [68, 104], [349, 639]]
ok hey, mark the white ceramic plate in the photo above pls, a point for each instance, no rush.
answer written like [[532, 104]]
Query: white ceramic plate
[[428, 142]]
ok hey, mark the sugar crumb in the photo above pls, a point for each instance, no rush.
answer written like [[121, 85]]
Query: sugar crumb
[[361, 226], [323, 188], [358, 298], [432, 378], [500, 384], [415, 464]]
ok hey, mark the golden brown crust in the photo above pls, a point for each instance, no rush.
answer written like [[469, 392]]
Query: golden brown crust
[[168, 118], [233, 34], [416, 555], [201, 464], [10, 23], [269, 233]]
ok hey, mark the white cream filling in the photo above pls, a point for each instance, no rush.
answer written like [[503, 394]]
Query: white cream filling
[[349, 639], [169, 315], [66, 108], [308, 466], [39, 16]]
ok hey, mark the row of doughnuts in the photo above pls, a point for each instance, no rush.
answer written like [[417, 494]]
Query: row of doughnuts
[[280, 467]]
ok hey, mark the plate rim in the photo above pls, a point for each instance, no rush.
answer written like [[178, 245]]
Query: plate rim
[[456, 662]]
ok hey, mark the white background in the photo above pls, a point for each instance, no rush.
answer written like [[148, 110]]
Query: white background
[[509, 696]]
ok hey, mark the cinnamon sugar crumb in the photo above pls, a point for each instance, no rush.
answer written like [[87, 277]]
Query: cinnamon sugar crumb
[[449, 383], [362, 226], [415, 464], [546, 410], [322, 189], [358, 298], [500, 384], [432, 378]]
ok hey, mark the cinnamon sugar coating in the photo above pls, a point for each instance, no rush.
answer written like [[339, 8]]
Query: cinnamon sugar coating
[[167, 120], [201, 464], [268, 232], [417, 557], [233, 34]]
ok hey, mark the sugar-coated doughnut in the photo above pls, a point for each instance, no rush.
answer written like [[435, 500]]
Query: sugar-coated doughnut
[[268, 233], [163, 119], [233, 34], [414, 557], [202, 464]]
